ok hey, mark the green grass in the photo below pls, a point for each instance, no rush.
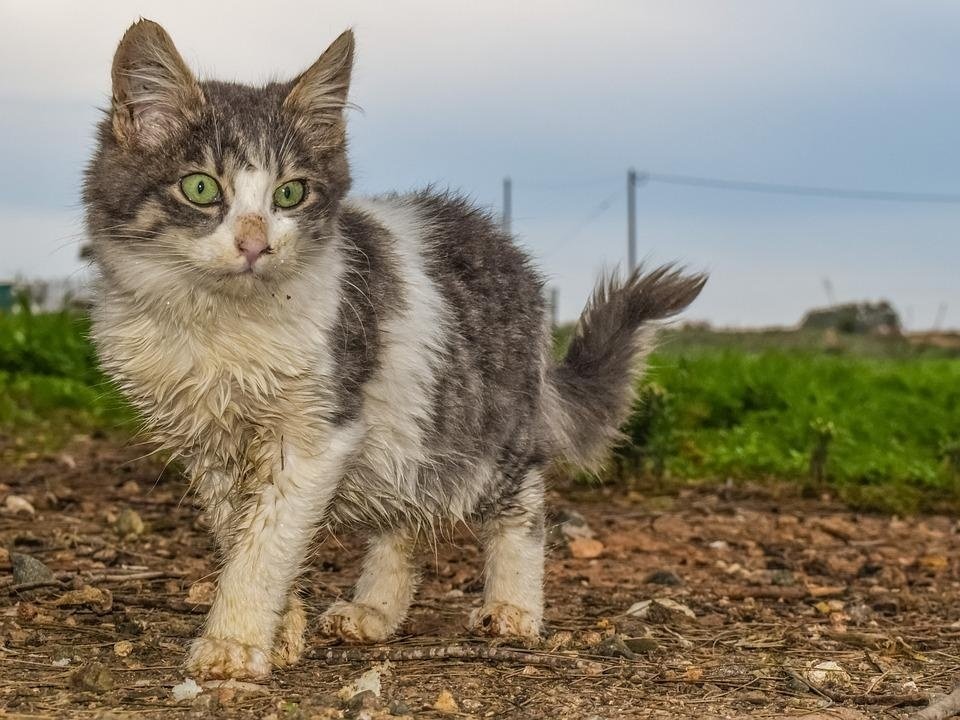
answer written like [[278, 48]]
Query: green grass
[[50, 387], [874, 421], [880, 433]]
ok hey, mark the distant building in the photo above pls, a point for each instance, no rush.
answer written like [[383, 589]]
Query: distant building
[[856, 318]]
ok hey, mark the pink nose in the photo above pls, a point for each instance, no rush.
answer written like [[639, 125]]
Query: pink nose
[[251, 238]]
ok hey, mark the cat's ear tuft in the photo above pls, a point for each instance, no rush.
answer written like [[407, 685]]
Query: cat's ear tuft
[[154, 92], [322, 90]]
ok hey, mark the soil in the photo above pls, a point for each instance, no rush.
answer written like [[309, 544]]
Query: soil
[[800, 609]]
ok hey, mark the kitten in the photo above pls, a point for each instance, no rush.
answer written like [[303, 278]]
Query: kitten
[[317, 360]]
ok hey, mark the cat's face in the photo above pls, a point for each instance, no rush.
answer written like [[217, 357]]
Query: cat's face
[[215, 185]]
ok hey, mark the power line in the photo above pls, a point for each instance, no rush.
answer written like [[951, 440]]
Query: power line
[[803, 190]]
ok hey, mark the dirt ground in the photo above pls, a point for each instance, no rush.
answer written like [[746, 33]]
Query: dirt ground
[[800, 609]]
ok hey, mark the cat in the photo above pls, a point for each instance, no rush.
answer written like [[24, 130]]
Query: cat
[[317, 360]]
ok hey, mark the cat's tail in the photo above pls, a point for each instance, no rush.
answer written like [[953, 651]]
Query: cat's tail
[[592, 389]]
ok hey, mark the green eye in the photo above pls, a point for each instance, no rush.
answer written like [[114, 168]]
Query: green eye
[[200, 189], [289, 194]]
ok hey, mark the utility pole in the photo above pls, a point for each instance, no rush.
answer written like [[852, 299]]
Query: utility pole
[[507, 204], [631, 219], [554, 306]]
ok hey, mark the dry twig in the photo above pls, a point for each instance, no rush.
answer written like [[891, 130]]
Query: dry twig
[[457, 651]]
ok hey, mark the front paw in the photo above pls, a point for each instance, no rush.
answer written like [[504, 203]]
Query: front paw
[[289, 644], [355, 622], [222, 659], [504, 620]]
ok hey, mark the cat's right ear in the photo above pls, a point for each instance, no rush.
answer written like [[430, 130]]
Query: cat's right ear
[[321, 91], [154, 92]]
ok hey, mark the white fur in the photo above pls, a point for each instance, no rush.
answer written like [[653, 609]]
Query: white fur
[[383, 593], [240, 390], [513, 573]]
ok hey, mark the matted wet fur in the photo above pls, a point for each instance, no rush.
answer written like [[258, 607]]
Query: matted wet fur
[[317, 360]]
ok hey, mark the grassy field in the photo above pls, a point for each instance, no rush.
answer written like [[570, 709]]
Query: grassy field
[[874, 421]]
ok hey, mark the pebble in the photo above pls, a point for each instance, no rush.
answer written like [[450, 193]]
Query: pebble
[[129, 523], [585, 548], [27, 569], [642, 644], [93, 677], [446, 704], [123, 648], [663, 577], [187, 690], [17, 505], [398, 707]]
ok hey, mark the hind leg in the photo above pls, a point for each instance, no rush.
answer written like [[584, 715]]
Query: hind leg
[[383, 593], [513, 573]]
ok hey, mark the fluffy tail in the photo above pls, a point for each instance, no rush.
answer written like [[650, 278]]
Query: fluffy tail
[[594, 385]]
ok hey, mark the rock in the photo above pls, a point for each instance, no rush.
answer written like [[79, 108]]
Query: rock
[[398, 707], [828, 674], [614, 647], [187, 690], [663, 611], [642, 644], [28, 570], [129, 523], [585, 548], [663, 577], [16, 505], [719, 545], [572, 524], [93, 597], [445, 703], [201, 593], [366, 700], [123, 648], [369, 681], [783, 578], [93, 677]]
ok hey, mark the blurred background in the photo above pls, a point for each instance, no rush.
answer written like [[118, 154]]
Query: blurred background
[[802, 151]]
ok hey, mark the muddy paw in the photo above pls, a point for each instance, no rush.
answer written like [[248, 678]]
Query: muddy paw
[[355, 622], [503, 620], [218, 658], [289, 644]]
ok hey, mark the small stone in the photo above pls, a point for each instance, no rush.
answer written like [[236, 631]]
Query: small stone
[[130, 487], [28, 570], [128, 523], [719, 545], [642, 644], [16, 505], [61, 662], [26, 611], [446, 704], [201, 593], [663, 577], [828, 674], [93, 597], [365, 700], [123, 648], [187, 690], [615, 647], [663, 611], [368, 681], [572, 524], [398, 707], [585, 548], [93, 677], [783, 578]]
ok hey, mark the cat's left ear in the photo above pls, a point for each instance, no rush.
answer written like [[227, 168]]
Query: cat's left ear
[[154, 92], [321, 91]]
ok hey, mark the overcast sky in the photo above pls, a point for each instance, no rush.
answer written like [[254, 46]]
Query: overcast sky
[[564, 97]]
